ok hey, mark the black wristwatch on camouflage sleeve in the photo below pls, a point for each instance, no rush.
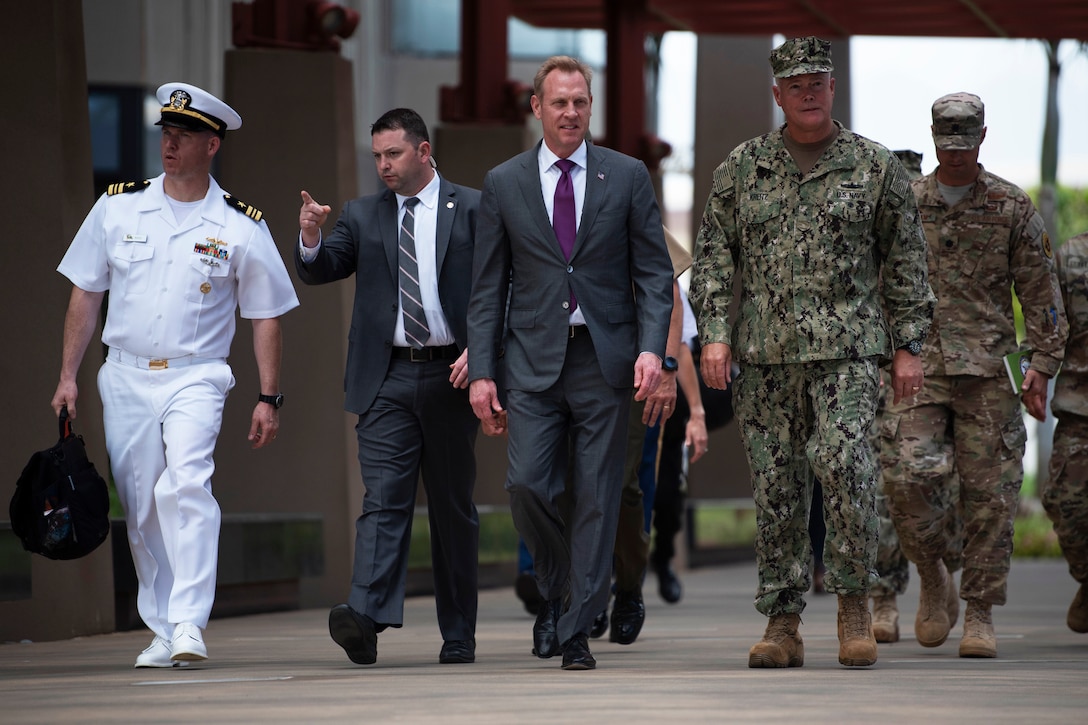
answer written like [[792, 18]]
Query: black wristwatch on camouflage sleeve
[[914, 347]]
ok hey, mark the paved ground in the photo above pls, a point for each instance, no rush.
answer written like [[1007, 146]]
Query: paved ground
[[689, 665]]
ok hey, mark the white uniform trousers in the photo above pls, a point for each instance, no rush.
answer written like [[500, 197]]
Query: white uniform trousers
[[161, 428]]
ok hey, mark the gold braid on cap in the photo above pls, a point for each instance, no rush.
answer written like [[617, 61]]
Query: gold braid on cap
[[179, 103]]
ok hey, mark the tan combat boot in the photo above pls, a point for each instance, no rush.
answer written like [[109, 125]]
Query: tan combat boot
[[978, 631], [931, 625], [857, 645], [885, 619], [1077, 619], [781, 645]]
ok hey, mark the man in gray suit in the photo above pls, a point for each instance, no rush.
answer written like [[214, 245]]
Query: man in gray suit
[[410, 249], [572, 286]]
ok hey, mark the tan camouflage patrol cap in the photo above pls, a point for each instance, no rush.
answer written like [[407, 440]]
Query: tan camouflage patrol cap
[[958, 119], [798, 56]]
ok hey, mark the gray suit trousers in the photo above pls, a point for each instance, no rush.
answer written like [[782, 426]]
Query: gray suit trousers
[[580, 419]]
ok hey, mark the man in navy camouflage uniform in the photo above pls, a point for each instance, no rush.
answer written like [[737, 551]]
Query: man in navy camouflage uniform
[[822, 229]]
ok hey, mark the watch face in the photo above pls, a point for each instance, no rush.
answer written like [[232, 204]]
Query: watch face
[[669, 364], [915, 347]]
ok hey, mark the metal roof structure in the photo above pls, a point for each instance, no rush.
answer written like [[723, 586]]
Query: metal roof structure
[[1044, 19]]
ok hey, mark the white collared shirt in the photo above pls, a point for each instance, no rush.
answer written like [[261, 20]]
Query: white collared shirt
[[426, 233], [549, 179]]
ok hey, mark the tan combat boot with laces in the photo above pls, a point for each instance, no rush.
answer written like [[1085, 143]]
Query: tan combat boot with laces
[[781, 645]]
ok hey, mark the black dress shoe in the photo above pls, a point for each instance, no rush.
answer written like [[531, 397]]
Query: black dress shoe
[[527, 591], [668, 585], [355, 632], [628, 614], [457, 651], [545, 634], [600, 625], [576, 655]]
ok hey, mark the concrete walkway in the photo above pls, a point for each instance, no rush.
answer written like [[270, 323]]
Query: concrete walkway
[[689, 665]]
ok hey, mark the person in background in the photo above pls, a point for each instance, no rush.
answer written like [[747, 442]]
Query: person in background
[[1065, 493], [985, 239], [684, 440], [179, 258], [822, 229]]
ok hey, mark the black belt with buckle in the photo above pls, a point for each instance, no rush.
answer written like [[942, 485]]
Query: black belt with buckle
[[426, 354]]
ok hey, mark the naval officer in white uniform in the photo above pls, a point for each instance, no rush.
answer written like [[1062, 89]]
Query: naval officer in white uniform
[[178, 256]]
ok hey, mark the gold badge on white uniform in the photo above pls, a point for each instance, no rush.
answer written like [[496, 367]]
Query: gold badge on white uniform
[[205, 287]]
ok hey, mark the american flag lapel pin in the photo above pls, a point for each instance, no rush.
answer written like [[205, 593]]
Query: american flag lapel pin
[[600, 175]]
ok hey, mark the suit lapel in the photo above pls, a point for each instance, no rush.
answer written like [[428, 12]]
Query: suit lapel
[[596, 184], [390, 231], [533, 194], [447, 207]]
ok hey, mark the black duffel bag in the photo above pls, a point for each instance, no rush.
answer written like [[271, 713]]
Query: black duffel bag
[[61, 506]]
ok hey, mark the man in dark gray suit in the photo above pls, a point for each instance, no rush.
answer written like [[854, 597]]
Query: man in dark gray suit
[[572, 285], [410, 248]]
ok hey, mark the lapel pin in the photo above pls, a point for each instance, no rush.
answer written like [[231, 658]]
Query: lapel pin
[[449, 204], [600, 175]]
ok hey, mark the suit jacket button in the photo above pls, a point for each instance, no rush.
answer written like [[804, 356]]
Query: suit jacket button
[[570, 269], [566, 305]]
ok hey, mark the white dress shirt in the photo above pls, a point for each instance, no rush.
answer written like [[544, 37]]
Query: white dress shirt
[[549, 179]]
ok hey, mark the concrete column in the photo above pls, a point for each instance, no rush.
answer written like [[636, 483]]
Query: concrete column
[[297, 133], [48, 150]]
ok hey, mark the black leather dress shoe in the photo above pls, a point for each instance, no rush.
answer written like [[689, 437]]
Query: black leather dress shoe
[[576, 655], [668, 585], [628, 614], [457, 651], [355, 632], [600, 625], [545, 634]]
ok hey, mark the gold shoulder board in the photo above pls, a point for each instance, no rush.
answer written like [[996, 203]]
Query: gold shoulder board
[[250, 211], [124, 187]]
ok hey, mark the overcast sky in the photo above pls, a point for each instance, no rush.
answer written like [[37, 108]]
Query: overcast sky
[[896, 80]]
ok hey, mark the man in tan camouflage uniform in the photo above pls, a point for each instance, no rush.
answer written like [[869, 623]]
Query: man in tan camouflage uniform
[[811, 217], [984, 237], [1065, 495]]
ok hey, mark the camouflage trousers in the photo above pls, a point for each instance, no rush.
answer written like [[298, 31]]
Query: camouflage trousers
[[974, 425], [892, 566], [1065, 493], [798, 421]]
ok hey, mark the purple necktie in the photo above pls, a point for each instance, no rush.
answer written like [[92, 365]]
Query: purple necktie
[[563, 221]]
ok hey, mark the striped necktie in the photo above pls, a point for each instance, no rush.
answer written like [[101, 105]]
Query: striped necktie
[[411, 301]]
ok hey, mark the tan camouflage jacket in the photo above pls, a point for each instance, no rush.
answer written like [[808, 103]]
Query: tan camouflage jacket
[[810, 253], [991, 241], [1071, 387]]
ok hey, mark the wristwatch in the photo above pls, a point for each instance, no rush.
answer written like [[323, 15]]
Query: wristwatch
[[670, 365], [276, 401], [914, 347]]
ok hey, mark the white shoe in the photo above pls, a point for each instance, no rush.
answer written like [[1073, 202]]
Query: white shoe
[[157, 654], [187, 644]]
